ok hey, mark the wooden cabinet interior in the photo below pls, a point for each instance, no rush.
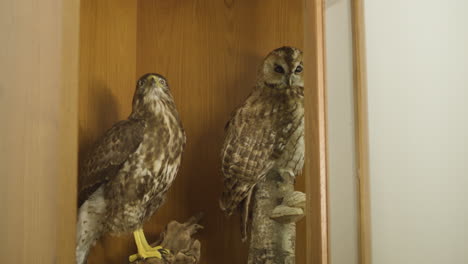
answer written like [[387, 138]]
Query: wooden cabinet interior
[[209, 51]]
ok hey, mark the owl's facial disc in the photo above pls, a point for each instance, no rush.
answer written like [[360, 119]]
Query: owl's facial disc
[[282, 68], [296, 77], [277, 72]]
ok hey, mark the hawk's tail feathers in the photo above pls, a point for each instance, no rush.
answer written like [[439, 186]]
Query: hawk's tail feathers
[[89, 224]]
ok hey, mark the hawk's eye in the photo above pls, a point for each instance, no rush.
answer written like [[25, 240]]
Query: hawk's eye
[[141, 82], [298, 69], [279, 69], [162, 81]]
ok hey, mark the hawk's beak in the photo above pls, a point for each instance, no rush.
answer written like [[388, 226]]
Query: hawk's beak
[[153, 80], [290, 79]]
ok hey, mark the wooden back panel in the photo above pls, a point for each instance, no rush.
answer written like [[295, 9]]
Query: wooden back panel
[[209, 51], [107, 81]]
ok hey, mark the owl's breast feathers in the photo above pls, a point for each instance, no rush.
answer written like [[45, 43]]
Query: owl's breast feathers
[[257, 136]]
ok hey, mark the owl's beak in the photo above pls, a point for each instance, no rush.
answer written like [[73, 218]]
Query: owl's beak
[[290, 79]]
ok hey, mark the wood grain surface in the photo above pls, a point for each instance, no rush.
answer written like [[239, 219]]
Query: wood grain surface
[[209, 51], [316, 141], [107, 81], [362, 130], [38, 138]]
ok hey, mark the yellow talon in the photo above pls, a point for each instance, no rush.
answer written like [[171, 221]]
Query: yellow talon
[[164, 251], [144, 249]]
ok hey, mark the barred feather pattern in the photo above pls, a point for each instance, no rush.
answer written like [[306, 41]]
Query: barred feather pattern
[[266, 132]]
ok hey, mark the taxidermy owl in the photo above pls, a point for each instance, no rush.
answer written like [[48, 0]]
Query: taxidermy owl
[[126, 175], [266, 132]]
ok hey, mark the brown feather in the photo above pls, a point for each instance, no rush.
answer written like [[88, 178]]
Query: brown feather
[[265, 133], [126, 176], [108, 155]]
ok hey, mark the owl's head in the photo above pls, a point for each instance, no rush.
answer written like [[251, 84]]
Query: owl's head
[[150, 88], [282, 68]]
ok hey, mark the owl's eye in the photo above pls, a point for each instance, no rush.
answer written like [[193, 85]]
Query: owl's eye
[[141, 82], [279, 69], [298, 69], [162, 81]]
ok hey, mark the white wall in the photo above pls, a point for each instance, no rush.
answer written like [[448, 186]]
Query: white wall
[[417, 55], [342, 176]]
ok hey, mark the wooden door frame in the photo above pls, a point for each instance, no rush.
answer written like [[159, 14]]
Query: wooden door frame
[[316, 131], [316, 125], [361, 129]]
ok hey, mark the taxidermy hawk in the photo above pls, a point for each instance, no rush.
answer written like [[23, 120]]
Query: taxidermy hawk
[[126, 175]]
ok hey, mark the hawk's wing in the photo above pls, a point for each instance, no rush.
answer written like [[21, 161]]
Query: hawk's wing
[[247, 155], [107, 156]]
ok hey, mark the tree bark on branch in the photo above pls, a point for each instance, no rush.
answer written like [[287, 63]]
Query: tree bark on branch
[[276, 209]]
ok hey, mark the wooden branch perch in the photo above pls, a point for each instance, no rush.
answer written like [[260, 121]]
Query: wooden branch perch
[[276, 209], [178, 239]]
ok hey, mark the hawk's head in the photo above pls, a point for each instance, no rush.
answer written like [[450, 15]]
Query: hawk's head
[[151, 88]]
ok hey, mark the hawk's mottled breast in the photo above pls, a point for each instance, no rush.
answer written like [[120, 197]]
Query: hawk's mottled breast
[[144, 179]]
